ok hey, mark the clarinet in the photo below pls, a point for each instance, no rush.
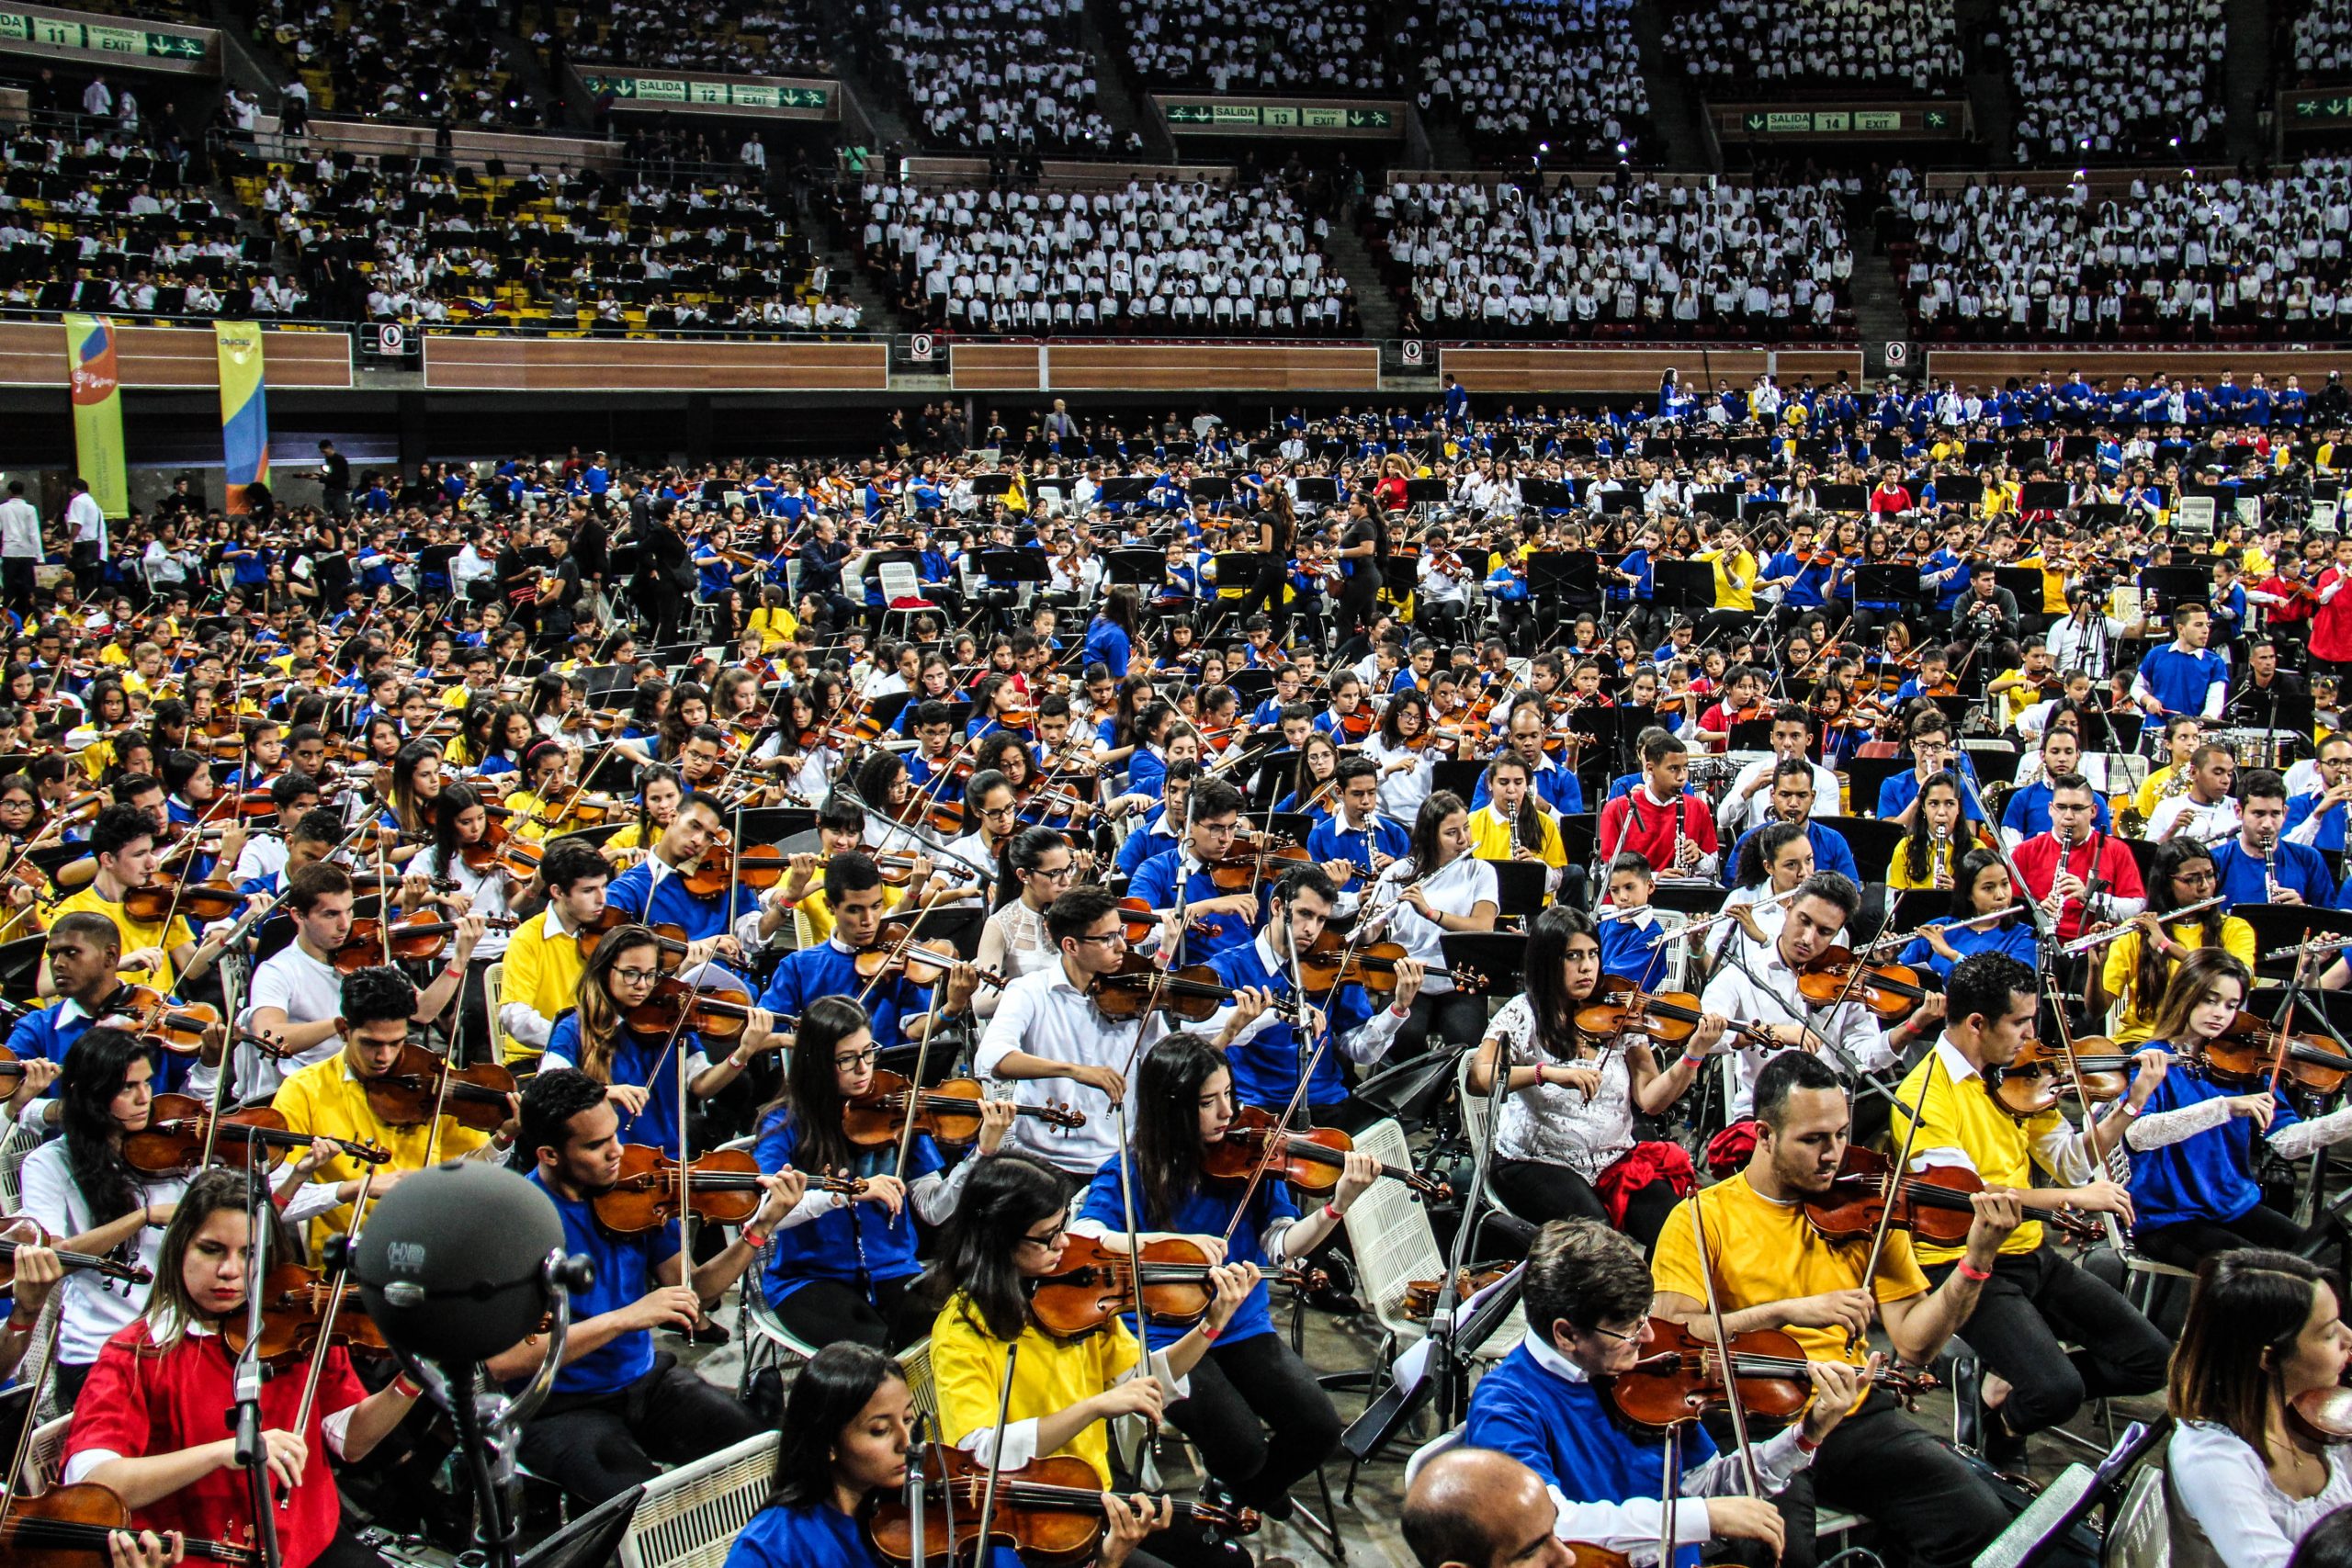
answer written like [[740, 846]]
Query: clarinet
[[2270, 871]]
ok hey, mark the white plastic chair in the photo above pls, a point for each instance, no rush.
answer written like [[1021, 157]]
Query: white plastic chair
[[1429, 1450], [43, 1459], [20, 1143], [900, 581], [690, 1516]]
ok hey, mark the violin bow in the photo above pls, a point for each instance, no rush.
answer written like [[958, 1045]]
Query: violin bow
[[981, 1551], [915, 1087], [1723, 1354], [327, 1311], [1895, 1187]]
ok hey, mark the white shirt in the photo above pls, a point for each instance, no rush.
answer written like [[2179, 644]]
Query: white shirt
[[306, 991], [1044, 1015], [2205, 824], [1736, 816], [1463, 885], [2070, 640], [89, 520], [19, 529], [1402, 792], [260, 859], [1770, 997], [92, 1308], [2226, 1510]]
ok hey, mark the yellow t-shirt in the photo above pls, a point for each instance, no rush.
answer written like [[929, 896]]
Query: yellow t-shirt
[[527, 808], [2015, 699], [542, 971], [1490, 837], [1048, 1377], [1961, 1114], [134, 935], [1735, 578], [325, 1101], [777, 628], [815, 908], [1898, 870], [2151, 791], [2123, 962], [1765, 1252]]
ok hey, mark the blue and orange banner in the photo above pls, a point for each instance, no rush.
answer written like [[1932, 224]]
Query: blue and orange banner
[[98, 413], [244, 409]]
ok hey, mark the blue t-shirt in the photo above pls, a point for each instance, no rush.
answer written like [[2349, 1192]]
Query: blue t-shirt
[[2208, 1176], [2017, 941], [1830, 853], [624, 1273], [825, 970], [2180, 680], [634, 894], [2331, 822], [855, 1245], [1155, 883], [2294, 866], [818, 1537], [1331, 840], [1107, 643], [2028, 812], [1896, 795], [649, 1063], [1206, 1212], [1625, 950]]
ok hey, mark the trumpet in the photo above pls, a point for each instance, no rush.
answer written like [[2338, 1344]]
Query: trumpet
[[1777, 899], [2099, 939]]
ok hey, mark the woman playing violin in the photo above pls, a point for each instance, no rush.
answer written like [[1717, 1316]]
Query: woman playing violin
[[507, 736], [1980, 891], [1347, 721], [658, 795], [1401, 748], [1258, 1417], [2193, 1188], [81, 1188], [1312, 778], [1566, 1146], [2257, 1460], [998, 704], [637, 1063], [461, 837], [2139, 965], [848, 1426], [532, 809], [844, 1272], [1439, 887], [1012, 1228], [1925, 858], [150, 1424]]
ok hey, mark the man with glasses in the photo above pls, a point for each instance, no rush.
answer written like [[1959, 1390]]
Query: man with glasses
[[1932, 752], [1211, 921], [897, 1007], [2078, 863], [1356, 843], [2316, 818]]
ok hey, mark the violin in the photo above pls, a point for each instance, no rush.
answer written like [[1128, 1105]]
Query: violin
[[2321, 1415], [894, 953], [1889, 990], [143, 1011], [759, 867], [22, 1230], [1681, 1376], [1330, 962], [1191, 993], [2242, 1059], [948, 1112], [1667, 1017], [675, 1007], [722, 1186], [177, 1125], [478, 1097], [1932, 1204], [295, 1300], [70, 1526], [1420, 1296], [1095, 1282], [2040, 1077], [1310, 1161], [197, 902], [1049, 1511], [669, 940], [422, 936]]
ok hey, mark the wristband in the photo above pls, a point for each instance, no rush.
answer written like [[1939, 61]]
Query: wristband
[[406, 1389], [1208, 1333], [758, 1243], [453, 971], [1805, 1445], [1970, 1272], [1330, 1210], [21, 1325]]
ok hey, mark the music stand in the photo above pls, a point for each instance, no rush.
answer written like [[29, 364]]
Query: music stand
[[1426, 492], [2169, 585], [591, 1540], [1879, 584], [1025, 565], [1556, 573], [1146, 566], [1683, 585]]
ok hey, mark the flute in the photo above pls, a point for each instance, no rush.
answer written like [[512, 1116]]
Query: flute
[[2085, 943], [1778, 899], [1902, 936], [1620, 912], [2312, 950]]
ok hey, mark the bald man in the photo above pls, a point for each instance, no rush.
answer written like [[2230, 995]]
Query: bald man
[[1481, 1508]]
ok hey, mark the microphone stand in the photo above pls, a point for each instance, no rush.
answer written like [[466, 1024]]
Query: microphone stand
[[489, 1424], [244, 1413], [918, 1462], [1445, 1327]]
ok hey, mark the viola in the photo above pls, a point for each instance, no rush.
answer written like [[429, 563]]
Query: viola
[[676, 1008], [894, 953], [295, 1300], [1889, 990], [1420, 1297], [1310, 1161], [2243, 1057], [177, 1124], [759, 866], [70, 1526], [478, 1097], [1191, 993], [1049, 1511], [423, 936], [1667, 1017], [1330, 962], [722, 1186], [1681, 1376], [1932, 1204], [948, 1112], [22, 1230], [2040, 1076]]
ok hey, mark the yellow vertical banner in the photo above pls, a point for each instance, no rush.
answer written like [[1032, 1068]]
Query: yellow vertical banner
[[244, 409], [98, 413]]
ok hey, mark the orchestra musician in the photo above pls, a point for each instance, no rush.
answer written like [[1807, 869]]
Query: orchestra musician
[[2077, 865], [1769, 1266], [84, 953], [1440, 887], [899, 1009], [2204, 813], [1658, 819], [1793, 801], [2256, 864], [1565, 1145], [1980, 921], [619, 1406], [2032, 1297], [1481, 1508], [2138, 965], [1925, 858], [2316, 816], [543, 954], [1750, 803], [1357, 842], [654, 890], [152, 1421], [158, 954]]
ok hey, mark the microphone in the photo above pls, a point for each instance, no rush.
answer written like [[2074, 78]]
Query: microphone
[[453, 1262]]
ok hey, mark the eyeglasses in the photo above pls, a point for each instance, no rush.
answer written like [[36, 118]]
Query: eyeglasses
[[2195, 878], [1046, 1242], [993, 812], [1058, 874], [637, 977], [864, 1059], [1119, 937], [1621, 1338]]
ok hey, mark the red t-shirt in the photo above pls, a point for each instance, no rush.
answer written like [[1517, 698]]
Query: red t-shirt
[[141, 1402], [1650, 831], [2037, 861]]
